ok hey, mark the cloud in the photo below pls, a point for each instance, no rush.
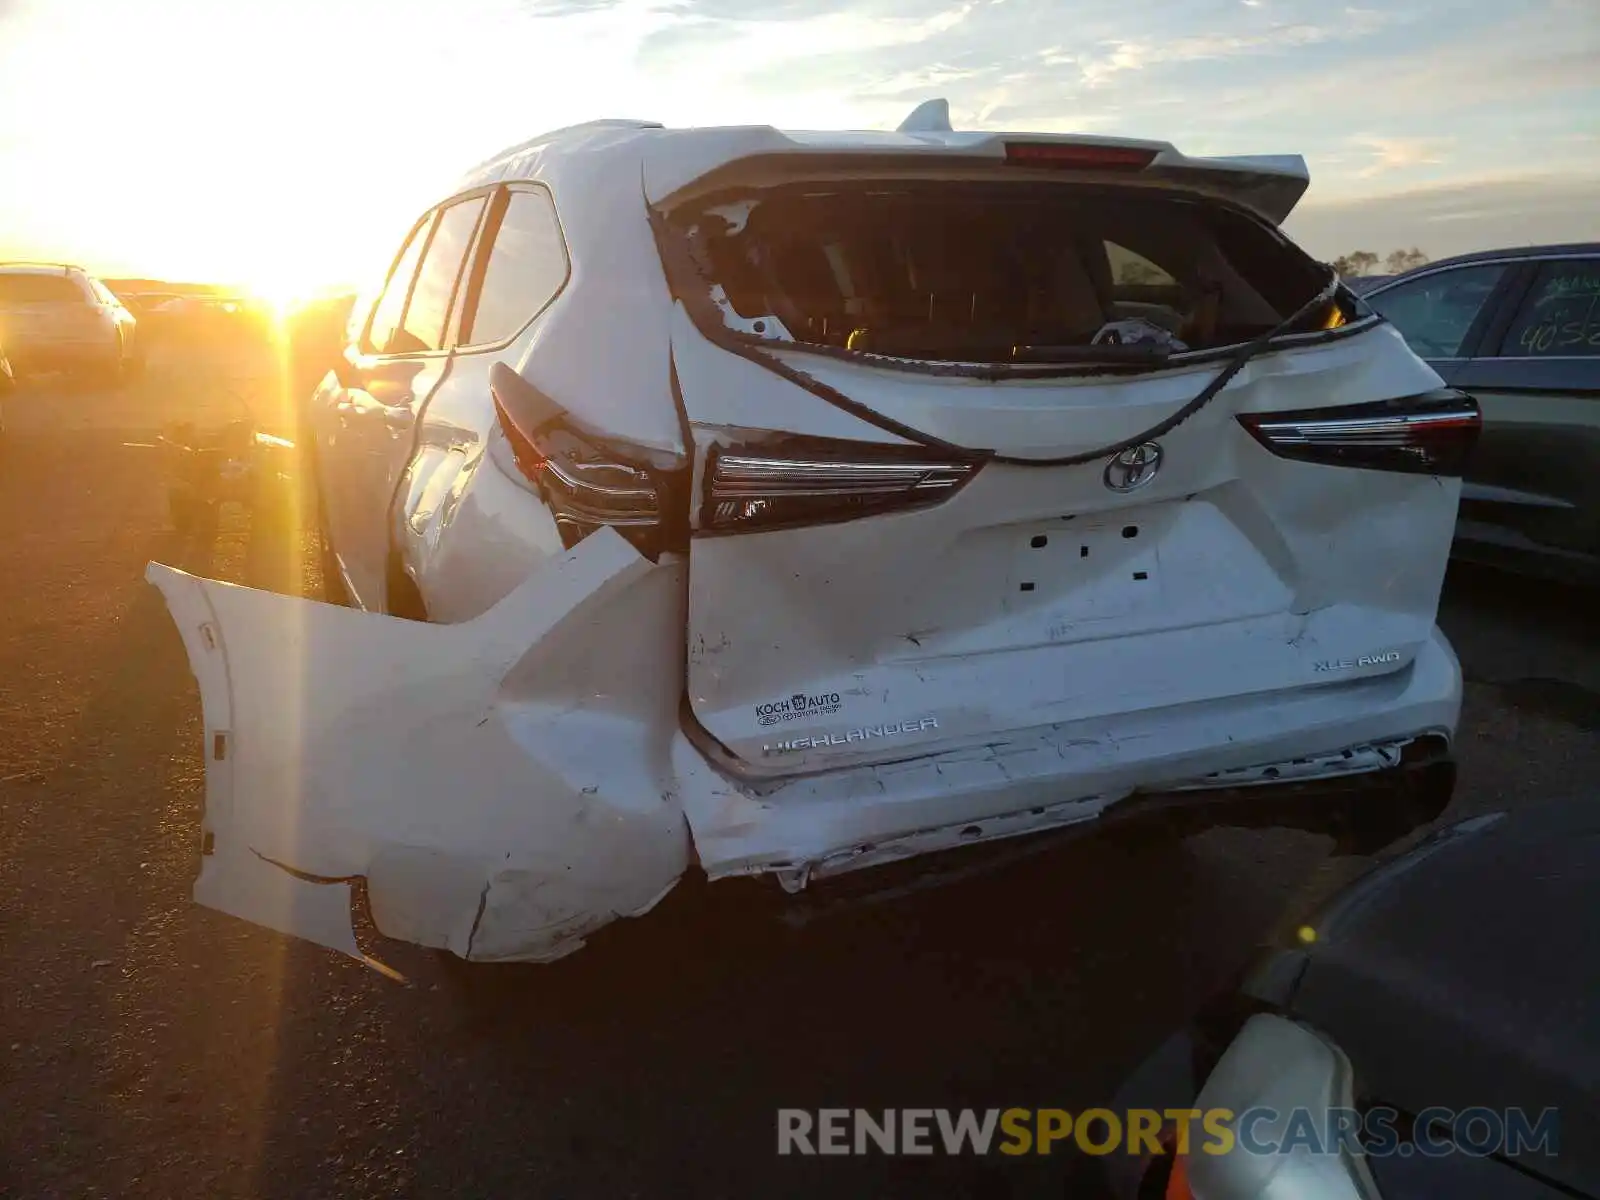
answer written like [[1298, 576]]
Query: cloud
[[1542, 52], [1400, 153], [564, 8], [755, 41], [1486, 213], [1121, 56]]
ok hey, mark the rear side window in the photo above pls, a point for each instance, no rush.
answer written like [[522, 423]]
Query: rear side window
[[991, 272], [30, 288], [384, 328], [1435, 312], [527, 266], [1560, 316], [429, 308]]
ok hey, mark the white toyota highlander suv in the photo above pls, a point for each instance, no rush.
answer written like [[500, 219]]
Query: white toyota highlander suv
[[761, 503]]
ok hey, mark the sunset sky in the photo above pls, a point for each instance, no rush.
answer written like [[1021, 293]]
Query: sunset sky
[[285, 145]]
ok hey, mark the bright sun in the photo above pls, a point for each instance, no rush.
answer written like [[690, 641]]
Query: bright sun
[[282, 292]]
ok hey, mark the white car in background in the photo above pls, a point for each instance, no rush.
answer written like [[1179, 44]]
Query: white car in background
[[784, 504], [56, 317]]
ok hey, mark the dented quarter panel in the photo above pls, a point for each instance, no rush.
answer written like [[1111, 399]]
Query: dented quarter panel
[[501, 783], [491, 533]]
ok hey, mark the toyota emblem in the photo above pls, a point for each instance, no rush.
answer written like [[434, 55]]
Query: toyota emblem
[[1134, 467]]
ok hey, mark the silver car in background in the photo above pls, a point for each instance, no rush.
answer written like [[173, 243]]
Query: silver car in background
[[58, 317]]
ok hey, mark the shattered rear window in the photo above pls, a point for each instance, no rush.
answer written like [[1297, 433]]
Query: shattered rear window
[[993, 272]]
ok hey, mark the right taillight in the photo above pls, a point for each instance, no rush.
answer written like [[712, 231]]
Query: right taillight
[[816, 482], [1429, 434]]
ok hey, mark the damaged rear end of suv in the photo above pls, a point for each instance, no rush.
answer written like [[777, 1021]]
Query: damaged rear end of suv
[[850, 500]]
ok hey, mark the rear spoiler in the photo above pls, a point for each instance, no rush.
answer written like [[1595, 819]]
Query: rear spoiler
[[679, 163]]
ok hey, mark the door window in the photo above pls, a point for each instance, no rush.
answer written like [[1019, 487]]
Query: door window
[[527, 266], [424, 323], [1560, 316], [1434, 313], [383, 330]]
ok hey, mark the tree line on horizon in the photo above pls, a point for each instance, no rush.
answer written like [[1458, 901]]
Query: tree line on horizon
[[1395, 262]]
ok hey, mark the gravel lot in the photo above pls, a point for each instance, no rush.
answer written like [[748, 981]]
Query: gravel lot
[[152, 1048]]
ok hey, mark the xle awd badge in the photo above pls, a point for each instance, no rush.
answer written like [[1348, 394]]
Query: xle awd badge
[[1133, 467], [1350, 664]]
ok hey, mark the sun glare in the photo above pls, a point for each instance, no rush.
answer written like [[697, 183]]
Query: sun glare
[[283, 294]]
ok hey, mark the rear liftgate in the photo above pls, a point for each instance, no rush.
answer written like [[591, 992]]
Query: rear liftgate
[[892, 562]]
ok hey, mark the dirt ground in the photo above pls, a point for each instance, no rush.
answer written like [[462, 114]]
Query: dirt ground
[[152, 1048]]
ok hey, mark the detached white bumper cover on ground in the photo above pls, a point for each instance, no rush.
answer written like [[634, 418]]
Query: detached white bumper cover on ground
[[494, 810]]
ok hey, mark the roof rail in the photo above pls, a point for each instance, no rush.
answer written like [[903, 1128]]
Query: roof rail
[[931, 116]]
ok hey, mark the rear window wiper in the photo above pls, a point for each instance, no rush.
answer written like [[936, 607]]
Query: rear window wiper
[[1110, 355]]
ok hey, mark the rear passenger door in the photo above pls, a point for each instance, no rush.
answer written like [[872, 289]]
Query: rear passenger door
[[1443, 313], [339, 453], [1534, 481], [518, 268], [403, 355]]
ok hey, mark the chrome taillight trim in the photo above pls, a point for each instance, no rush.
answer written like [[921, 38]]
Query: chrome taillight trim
[[1401, 426], [819, 482], [1432, 433], [741, 476]]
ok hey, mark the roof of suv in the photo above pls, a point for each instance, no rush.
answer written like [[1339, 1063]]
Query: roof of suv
[[31, 268], [668, 160]]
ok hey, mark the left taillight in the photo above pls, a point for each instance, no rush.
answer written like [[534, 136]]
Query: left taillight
[[1428, 434], [816, 482], [589, 483]]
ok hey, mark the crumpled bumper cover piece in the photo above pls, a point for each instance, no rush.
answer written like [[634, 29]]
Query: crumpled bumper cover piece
[[500, 802]]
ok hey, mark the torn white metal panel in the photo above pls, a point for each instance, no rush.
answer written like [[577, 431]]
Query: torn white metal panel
[[484, 784], [235, 880]]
